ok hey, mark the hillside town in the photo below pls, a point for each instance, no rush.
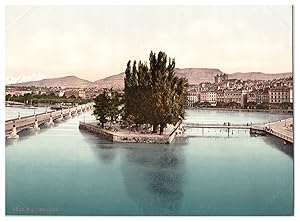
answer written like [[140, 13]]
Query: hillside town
[[57, 91], [237, 93], [224, 92]]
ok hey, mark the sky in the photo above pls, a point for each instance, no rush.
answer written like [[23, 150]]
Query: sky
[[93, 42]]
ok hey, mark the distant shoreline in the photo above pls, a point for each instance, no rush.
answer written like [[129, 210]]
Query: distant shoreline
[[273, 111]]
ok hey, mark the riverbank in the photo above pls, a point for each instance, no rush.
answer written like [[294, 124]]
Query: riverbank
[[283, 129], [125, 136], [279, 111]]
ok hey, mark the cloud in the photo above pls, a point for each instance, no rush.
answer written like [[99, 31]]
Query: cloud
[[16, 78]]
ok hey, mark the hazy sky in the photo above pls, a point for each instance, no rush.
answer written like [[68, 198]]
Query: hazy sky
[[95, 42]]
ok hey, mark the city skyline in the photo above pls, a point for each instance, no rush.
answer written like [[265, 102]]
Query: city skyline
[[96, 42]]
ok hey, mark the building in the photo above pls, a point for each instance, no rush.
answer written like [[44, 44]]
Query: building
[[252, 97], [221, 77], [263, 96], [192, 97], [76, 93], [280, 95], [61, 93], [233, 96], [220, 96], [291, 95], [231, 83], [208, 96], [91, 95], [17, 92]]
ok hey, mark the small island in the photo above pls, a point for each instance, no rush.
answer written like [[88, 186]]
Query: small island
[[150, 110]]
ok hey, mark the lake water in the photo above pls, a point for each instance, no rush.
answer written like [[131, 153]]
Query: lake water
[[13, 112], [64, 171]]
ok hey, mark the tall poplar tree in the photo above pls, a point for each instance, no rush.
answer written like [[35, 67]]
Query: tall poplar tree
[[154, 95]]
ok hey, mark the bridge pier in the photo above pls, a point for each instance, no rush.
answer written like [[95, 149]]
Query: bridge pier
[[14, 134], [36, 125], [50, 121], [70, 114]]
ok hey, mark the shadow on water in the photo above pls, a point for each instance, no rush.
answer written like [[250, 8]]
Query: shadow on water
[[278, 143], [105, 150], [153, 177]]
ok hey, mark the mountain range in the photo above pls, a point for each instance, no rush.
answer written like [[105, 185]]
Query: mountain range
[[194, 76]]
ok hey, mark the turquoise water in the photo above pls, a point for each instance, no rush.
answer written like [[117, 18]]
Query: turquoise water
[[64, 171]]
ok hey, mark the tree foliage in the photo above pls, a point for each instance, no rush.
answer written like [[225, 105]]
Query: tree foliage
[[153, 94], [107, 106]]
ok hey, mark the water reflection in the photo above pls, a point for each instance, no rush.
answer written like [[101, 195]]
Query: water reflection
[[154, 176], [277, 143], [106, 153], [103, 149]]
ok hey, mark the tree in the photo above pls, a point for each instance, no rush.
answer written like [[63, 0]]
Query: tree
[[7, 97], [233, 104], [263, 105], [251, 105], [154, 95], [101, 107], [107, 106], [114, 105]]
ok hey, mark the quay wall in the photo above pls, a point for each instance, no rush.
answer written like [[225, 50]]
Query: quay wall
[[278, 111], [96, 130], [128, 138]]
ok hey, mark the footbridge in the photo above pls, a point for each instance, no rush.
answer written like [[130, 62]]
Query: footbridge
[[14, 126], [282, 129], [218, 126]]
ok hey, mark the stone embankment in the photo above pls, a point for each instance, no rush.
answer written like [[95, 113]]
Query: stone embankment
[[131, 137]]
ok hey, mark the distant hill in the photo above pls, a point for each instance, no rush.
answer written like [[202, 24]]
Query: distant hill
[[197, 75], [194, 76], [259, 75], [115, 81], [64, 82]]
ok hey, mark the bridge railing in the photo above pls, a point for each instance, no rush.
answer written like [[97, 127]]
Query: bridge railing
[[215, 124], [41, 117]]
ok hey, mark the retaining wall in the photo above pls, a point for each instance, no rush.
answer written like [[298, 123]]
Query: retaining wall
[[127, 138]]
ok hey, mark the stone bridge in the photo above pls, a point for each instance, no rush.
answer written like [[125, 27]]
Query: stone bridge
[[14, 126]]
